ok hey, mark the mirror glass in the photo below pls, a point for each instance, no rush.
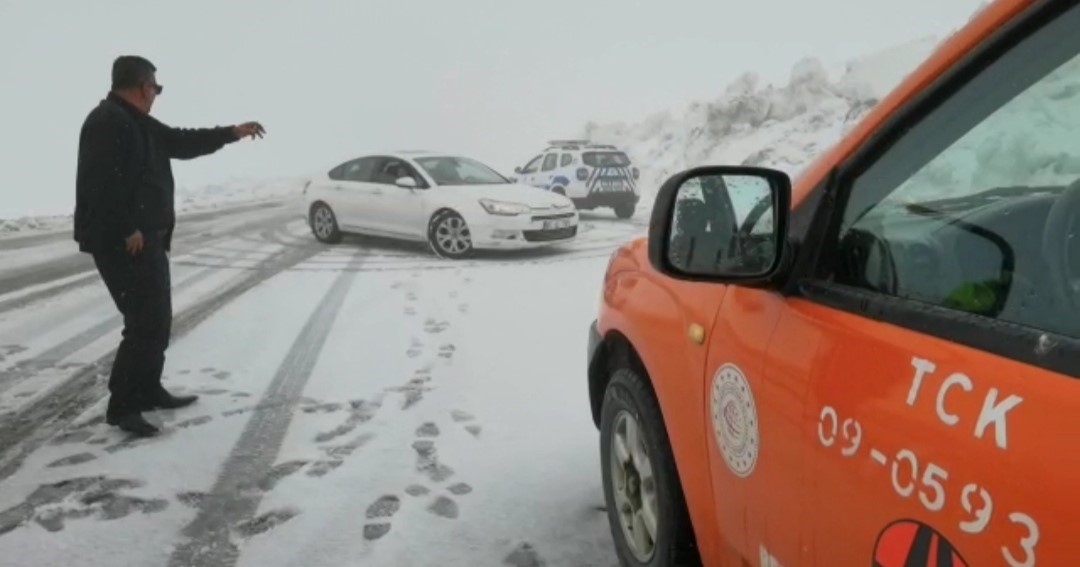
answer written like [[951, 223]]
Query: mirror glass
[[724, 225], [406, 182]]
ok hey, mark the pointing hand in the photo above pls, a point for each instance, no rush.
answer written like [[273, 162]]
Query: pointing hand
[[249, 129]]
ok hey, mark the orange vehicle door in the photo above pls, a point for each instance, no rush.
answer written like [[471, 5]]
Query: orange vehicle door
[[945, 298], [756, 453]]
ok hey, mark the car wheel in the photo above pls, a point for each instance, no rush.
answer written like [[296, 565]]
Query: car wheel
[[559, 191], [449, 236], [324, 224], [624, 211], [645, 504]]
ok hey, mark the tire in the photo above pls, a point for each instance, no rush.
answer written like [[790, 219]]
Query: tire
[[449, 237], [324, 224], [559, 191], [629, 397], [624, 211]]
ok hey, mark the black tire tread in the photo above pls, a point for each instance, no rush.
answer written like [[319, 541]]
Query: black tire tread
[[627, 389], [335, 236]]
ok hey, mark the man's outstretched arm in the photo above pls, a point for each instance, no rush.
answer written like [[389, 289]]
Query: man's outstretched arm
[[190, 143]]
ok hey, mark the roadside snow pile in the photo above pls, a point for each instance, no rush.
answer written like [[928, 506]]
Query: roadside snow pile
[[188, 200], [235, 192], [1030, 141], [783, 127], [27, 225]]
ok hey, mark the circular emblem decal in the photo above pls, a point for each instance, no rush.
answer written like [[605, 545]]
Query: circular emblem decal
[[734, 418]]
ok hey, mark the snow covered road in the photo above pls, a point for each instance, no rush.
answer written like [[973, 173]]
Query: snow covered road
[[361, 404]]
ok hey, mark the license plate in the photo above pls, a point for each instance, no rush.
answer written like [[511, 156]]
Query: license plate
[[611, 184], [556, 224]]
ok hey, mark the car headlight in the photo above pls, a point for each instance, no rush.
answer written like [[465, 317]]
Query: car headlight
[[504, 208]]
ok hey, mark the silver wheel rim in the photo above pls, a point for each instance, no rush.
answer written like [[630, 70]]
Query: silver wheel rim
[[452, 235], [634, 487], [324, 222]]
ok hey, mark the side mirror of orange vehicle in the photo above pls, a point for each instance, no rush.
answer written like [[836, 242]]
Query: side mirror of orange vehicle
[[725, 224]]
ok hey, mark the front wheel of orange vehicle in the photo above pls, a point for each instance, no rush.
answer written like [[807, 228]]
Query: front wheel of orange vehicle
[[645, 504]]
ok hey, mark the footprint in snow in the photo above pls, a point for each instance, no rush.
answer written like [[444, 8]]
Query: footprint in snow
[[525, 555], [360, 411], [266, 522], [460, 416], [427, 461], [434, 327], [447, 351], [278, 473], [379, 513], [76, 436], [463, 308], [428, 429], [411, 296], [72, 460], [51, 505], [444, 507], [410, 310], [191, 499], [416, 348]]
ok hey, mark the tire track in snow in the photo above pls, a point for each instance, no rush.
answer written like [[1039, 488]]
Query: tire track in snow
[[183, 246], [32, 425], [230, 502], [52, 356]]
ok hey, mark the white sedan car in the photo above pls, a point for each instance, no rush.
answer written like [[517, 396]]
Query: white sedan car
[[455, 204]]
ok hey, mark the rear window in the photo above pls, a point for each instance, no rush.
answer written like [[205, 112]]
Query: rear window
[[605, 159]]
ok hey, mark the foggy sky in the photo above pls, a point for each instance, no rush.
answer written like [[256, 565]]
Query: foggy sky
[[329, 79]]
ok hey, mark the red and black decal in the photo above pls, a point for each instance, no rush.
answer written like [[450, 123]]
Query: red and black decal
[[911, 543]]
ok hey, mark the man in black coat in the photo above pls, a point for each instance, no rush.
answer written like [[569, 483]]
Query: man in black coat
[[124, 217]]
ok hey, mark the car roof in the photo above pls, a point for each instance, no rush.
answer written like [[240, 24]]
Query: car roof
[[993, 16], [410, 154], [578, 146]]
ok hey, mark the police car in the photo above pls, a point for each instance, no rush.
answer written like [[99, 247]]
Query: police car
[[591, 175]]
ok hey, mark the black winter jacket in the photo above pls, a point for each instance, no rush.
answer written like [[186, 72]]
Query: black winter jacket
[[124, 180]]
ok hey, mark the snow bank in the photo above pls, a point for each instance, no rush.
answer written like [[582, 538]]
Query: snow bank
[[784, 127], [188, 200], [1030, 141]]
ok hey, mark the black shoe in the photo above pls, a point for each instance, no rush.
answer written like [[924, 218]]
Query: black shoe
[[133, 423], [165, 400]]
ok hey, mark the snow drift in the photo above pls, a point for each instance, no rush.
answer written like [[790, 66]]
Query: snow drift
[[784, 127], [188, 200]]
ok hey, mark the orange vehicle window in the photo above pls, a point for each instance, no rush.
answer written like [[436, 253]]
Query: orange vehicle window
[[977, 207]]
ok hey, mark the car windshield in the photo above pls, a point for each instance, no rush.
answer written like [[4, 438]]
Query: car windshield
[[447, 170], [605, 159]]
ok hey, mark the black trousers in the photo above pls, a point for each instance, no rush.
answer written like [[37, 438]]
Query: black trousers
[[141, 287]]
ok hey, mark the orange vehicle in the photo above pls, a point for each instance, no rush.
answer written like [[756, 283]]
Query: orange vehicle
[[883, 374]]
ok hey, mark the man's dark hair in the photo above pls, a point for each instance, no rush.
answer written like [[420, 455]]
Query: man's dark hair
[[130, 71]]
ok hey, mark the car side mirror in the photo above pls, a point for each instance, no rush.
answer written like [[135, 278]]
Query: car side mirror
[[517, 169], [406, 182], [721, 224]]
